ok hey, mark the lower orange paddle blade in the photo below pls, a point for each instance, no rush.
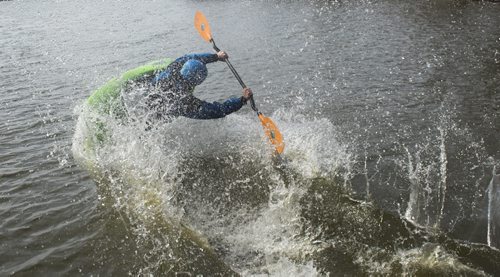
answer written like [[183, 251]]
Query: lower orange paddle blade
[[201, 24], [272, 133]]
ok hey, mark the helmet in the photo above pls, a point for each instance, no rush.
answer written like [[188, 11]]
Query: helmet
[[194, 72]]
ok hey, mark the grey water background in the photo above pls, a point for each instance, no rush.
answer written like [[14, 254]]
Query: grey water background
[[413, 89]]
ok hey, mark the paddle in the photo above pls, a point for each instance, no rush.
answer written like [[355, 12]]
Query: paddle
[[270, 129]]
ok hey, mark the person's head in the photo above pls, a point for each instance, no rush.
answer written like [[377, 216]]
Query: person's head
[[194, 72]]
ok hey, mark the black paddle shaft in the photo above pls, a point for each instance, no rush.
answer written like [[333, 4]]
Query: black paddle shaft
[[252, 102]]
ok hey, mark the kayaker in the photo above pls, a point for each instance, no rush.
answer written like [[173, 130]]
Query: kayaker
[[172, 90]]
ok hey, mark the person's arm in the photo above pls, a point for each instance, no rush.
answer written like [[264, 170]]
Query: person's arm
[[215, 110], [205, 57]]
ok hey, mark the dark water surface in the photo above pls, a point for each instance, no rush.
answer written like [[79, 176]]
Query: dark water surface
[[393, 103]]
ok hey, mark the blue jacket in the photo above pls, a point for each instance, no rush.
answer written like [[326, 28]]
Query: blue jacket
[[172, 96]]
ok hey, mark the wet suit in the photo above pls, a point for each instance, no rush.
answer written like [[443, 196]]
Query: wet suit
[[173, 97]]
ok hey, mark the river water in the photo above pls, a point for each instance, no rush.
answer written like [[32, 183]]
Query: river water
[[390, 111]]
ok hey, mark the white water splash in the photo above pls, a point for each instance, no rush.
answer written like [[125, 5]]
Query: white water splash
[[428, 260], [493, 208], [443, 162], [312, 145], [413, 210], [272, 242], [269, 242], [428, 174]]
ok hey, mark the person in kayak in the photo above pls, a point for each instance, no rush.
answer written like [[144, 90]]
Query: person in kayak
[[172, 93]]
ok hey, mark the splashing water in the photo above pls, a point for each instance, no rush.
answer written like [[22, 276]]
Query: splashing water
[[212, 183], [493, 209], [442, 172]]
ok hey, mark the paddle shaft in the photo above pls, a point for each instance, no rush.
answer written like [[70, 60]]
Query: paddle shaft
[[235, 73]]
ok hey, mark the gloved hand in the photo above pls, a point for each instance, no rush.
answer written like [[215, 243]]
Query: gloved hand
[[247, 94], [222, 55]]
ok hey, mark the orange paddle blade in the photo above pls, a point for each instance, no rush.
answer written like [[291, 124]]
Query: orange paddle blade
[[272, 133], [201, 24]]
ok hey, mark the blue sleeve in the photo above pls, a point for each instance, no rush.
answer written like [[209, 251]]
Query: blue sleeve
[[202, 57], [216, 110]]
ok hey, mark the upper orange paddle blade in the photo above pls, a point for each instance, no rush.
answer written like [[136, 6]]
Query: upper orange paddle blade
[[201, 24], [272, 133]]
